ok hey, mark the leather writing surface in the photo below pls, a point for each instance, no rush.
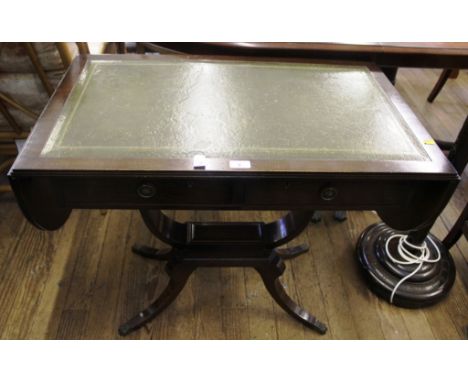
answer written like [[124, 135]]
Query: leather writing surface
[[175, 108]]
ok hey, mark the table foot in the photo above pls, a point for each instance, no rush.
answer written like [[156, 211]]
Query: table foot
[[426, 287], [339, 216], [152, 253], [316, 217], [270, 275], [292, 252], [179, 274]]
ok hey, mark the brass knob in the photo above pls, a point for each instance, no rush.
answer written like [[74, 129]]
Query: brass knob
[[328, 193], [146, 190]]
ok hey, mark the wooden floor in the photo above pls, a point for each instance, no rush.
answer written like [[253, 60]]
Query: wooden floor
[[82, 281]]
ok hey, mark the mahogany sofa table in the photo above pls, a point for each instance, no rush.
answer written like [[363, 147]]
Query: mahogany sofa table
[[197, 133]]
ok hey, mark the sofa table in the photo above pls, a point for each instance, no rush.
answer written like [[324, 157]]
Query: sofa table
[[200, 133]]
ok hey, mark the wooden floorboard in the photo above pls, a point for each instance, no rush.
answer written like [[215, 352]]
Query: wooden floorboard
[[82, 281]]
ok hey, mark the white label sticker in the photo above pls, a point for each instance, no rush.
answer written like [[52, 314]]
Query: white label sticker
[[239, 164], [199, 162]]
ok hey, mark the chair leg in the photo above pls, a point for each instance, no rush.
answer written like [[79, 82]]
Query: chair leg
[[4, 188], [33, 56], [390, 72], [9, 118], [457, 230], [446, 73]]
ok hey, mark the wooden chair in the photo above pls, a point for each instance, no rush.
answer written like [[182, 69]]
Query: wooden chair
[[20, 129], [458, 155], [460, 227]]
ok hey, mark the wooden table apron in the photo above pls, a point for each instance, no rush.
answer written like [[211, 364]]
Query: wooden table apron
[[404, 204], [407, 195]]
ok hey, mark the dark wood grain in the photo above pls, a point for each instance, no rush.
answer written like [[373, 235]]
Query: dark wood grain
[[411, 54]]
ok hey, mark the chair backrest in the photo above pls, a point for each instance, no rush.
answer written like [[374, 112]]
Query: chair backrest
[[29, 73]]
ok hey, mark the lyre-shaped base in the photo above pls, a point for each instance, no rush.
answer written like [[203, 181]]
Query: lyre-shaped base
[[246, 244]]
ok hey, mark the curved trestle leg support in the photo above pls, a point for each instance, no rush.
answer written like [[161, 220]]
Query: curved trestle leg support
[[216, 244], [152, 253], [179, 274], [292, 252], [270, 273]]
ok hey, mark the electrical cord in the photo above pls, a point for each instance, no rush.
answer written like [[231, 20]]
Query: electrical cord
[[410, 258]]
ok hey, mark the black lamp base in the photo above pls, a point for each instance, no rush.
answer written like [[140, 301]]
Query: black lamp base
[[427, 287]]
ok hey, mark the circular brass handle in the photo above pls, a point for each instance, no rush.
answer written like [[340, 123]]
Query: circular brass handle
[[146, 191], [328, 193]]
